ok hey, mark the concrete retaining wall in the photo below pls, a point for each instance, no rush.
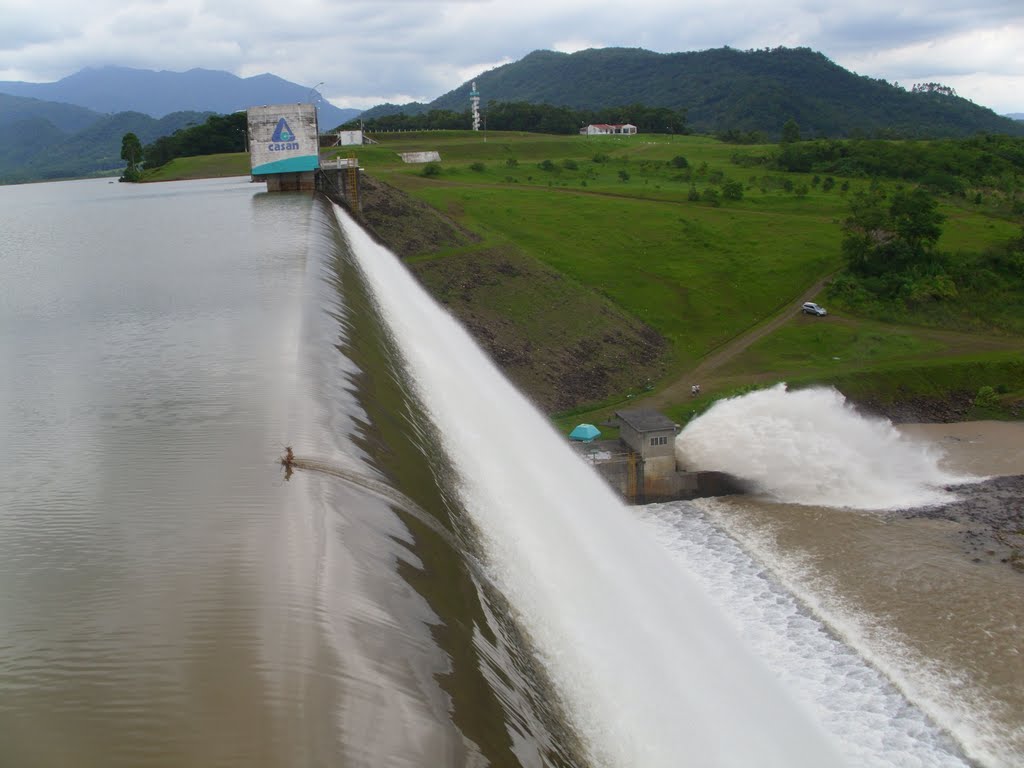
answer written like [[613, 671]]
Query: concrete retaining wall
[[630, 481]]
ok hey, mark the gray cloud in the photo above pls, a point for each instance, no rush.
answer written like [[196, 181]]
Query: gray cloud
[[368, 52]]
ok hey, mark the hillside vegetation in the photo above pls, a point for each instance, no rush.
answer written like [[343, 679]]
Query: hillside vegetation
[[59, 141], [73, 127], [602, 271], [725, 90]]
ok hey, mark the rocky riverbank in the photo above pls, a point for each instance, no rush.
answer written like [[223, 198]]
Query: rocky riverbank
[[991, 515], [954, 406]]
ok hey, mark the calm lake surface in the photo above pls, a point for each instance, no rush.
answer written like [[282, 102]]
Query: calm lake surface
[[169, 598], [166, 598]]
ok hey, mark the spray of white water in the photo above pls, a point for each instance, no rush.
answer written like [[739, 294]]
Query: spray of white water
[[648, 670], [811, 447]]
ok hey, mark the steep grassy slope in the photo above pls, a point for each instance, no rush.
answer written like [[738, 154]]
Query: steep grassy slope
[[628, 222]]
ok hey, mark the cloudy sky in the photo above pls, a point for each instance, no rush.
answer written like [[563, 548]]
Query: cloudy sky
[[367, 52]]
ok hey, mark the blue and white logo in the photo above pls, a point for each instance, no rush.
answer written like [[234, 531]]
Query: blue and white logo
[[283, 132], [283, 139]]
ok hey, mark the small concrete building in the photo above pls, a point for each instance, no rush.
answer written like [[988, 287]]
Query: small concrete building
[[284, 146], [349, 138], [641, 465], [605, 129], [652, 435]]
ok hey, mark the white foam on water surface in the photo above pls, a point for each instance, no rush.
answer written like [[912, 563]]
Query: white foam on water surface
[[649, 671], [810, 446]]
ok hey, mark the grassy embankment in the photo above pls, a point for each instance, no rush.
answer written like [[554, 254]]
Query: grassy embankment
[[701, 274], [200, 167], [572, 252]]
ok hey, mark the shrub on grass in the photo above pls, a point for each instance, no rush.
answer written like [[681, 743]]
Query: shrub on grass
[[431, 169], [732, 190], [986, 398], [711, 197], [478, 167]]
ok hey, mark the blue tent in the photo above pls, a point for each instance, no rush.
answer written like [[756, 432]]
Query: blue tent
[[584, 432]]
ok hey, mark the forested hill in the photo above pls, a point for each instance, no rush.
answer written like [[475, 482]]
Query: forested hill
[[45, 140], [727, 89]]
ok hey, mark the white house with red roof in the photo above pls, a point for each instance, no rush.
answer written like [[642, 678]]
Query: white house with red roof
[[604, 129]]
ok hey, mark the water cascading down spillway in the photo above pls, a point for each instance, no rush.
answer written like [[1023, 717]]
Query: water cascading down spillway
[[648, 670]]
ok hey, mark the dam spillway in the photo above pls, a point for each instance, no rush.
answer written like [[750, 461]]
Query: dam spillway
[[169, 599]]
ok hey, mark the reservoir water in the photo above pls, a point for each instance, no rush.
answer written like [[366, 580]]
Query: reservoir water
[[449, 585]]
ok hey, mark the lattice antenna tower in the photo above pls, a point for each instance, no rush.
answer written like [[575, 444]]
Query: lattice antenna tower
[[474, 100]]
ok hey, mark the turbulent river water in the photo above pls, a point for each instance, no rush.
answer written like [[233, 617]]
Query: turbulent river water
[[442, 582]]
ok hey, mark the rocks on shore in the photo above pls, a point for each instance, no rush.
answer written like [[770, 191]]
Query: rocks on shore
[[992, 515]]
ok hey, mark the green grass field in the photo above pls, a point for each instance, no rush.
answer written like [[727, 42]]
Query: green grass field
[[201, 167], [616, 215], [617, 218]]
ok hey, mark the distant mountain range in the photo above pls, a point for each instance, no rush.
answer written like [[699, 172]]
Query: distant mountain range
[[122, 89], [727, 89], [73, 127]]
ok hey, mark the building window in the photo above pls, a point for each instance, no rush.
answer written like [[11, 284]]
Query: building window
[[659, 441]]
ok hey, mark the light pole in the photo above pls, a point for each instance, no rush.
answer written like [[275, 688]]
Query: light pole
[[309, 96]]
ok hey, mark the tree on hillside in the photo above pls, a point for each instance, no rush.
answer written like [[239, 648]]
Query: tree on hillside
[[131, 153], [790, 132], [219, 134], [892, 235]]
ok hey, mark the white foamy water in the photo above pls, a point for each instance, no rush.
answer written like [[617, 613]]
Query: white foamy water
[[871, 719], [879, 651], [811, 447], [649, 670]]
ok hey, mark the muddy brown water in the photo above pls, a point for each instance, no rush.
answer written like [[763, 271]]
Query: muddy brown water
[[909, 594]]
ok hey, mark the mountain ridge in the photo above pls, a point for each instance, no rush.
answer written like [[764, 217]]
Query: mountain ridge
[[73, 126], [727, 89], [113, 89], [37, 149]]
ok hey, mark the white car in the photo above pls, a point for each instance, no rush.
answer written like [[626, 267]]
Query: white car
[[810, 308]]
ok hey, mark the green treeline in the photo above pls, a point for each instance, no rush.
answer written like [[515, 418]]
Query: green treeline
[[895, 269], [534, 118], [945, 165], [220, 133]]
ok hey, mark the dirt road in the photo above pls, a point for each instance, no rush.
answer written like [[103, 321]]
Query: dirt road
[[956, 342], [679, 390]]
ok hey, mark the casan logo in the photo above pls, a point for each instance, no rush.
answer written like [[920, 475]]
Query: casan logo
[[283, 138]]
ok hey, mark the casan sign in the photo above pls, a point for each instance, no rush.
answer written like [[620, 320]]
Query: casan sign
[[283, 138]]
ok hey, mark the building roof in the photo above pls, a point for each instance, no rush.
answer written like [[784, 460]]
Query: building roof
[[646, 419]]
